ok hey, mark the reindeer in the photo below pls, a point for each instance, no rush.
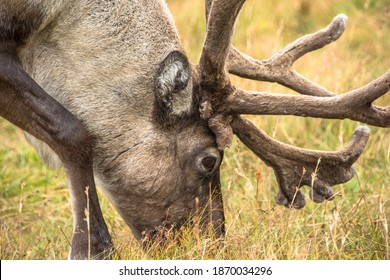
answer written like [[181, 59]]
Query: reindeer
[[105, 89]]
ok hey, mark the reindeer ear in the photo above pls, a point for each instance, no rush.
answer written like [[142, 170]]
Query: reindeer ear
[[171, 87]]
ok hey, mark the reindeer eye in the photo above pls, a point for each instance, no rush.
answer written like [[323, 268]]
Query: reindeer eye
[[209, 163]]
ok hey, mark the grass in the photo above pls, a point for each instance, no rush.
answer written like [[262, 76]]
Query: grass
[[35, 212]]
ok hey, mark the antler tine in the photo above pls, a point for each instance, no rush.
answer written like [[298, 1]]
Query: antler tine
[[355, 105], [221, 15], [247, 67], [278, 67], [295, 167]]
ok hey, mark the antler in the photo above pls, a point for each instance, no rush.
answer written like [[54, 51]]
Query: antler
[[278, 67], [354, 105], [295, 167], [221, 104]]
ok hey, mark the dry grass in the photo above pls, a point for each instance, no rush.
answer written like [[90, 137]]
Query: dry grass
[[35, 215]]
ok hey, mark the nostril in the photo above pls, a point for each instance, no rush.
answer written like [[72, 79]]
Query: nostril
[[209, 163]]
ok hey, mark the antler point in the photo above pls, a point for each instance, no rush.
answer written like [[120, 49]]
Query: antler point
[[341, 17], [361, 129]]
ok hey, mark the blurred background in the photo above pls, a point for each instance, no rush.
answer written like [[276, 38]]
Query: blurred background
[[35, 212]]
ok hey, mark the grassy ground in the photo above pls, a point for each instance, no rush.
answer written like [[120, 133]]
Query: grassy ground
[[35, 213]]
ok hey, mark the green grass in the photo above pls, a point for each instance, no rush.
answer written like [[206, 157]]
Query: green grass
[[35, 212]]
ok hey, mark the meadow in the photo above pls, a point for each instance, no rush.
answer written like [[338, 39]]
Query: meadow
[[35, 212]]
